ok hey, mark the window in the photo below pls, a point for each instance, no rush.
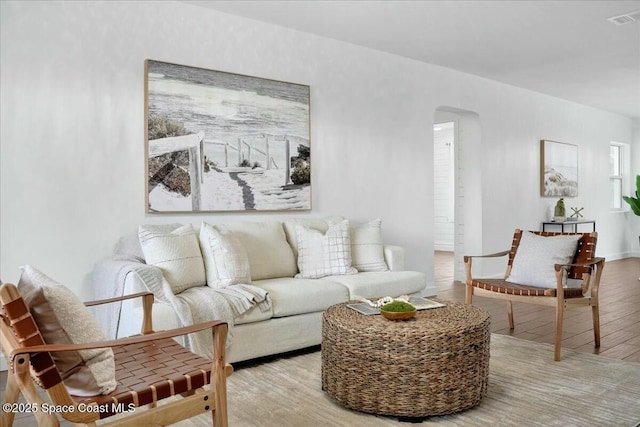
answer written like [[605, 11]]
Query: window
[[617, 174]]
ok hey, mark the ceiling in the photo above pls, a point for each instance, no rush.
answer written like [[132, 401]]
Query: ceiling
[[567, 49]]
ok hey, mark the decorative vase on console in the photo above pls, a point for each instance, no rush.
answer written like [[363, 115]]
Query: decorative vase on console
[[559, 214]]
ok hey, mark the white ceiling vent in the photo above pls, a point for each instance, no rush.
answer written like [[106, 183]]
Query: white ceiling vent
[[626, 18]]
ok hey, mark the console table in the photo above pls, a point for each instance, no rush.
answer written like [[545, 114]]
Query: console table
[[571, 224]]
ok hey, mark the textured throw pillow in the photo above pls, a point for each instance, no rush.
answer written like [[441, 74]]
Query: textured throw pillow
[[321, 224], [536, 256], [367, 251], [176, 253], [324, 254], [63, 319], [225, 259]]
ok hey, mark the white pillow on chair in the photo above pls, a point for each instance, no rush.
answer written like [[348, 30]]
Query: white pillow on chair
[[533, 264], [63, 319]]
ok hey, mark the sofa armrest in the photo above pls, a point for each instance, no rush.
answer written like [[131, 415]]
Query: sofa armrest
[[394, 257], [113, 277]]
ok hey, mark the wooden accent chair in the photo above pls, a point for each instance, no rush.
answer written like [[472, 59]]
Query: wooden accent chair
[[585, 267], [149, 368]]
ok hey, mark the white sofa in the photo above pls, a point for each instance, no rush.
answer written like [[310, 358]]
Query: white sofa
[[294, 319]]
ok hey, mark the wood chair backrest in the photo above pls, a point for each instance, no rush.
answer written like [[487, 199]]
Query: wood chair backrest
[[19, 329], [586, 250]]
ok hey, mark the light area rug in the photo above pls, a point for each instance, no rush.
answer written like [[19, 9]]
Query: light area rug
[[526, 388]]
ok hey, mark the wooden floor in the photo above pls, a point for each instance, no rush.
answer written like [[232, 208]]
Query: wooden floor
[[619, 316], [619, 312]]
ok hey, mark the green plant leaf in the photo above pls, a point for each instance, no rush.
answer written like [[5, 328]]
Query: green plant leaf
[[634, 202]]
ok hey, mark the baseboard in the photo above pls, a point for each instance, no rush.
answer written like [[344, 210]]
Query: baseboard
[[621, 255]]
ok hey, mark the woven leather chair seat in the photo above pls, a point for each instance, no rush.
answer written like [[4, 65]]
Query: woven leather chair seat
[[152, 371], [504, 287]]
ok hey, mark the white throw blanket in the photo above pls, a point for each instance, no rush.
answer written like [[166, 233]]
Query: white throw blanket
[[108, 282], [195, 305], [202, 304]]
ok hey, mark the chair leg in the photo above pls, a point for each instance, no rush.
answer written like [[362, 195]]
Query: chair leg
[[468, 296], [559, 318], [11, 395], [219, 415], [25, 383], [510, 314], [595, 310]]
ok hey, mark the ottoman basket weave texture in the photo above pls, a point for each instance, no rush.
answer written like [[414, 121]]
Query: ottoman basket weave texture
[[434, 364]]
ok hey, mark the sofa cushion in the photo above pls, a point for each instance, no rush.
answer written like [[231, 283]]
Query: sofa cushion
[[297, 296], [176, 253], [367, 249], [381, 284], [225, 259], [536, 256], [324, 254], [269, 253], [63, 319], [254, 314]]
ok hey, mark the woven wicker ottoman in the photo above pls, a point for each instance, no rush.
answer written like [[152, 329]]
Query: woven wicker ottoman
[[434, 364]]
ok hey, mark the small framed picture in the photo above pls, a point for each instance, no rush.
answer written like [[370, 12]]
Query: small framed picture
[[559, 169]]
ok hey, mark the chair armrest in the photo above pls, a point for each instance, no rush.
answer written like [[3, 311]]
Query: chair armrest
[[587, 280], [468, 261], [497, 254], [116, 299], [581, 264], [147, 307], [136, 339]]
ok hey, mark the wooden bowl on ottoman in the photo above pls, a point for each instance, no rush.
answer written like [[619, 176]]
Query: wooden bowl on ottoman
[[398, 315], [398, 310]]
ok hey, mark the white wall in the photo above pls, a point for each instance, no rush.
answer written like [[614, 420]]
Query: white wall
[[72, 132], [633, 222]]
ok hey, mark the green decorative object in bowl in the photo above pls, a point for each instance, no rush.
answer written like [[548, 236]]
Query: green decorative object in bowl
[[398, 310]]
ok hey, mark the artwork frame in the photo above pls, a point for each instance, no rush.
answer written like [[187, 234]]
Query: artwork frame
[[224, 142], [558, 169]]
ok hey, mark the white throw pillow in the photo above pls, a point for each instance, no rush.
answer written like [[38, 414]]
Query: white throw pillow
[[536, 256], [225, 259], [176, 253], [269, 253], [321, 224], [324, 254], [63, 319], [367, 250]]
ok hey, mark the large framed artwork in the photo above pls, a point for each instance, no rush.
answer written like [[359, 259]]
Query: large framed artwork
[[559, 169], [217, 141]]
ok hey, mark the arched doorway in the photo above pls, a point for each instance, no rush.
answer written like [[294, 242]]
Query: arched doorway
[[465, 210]]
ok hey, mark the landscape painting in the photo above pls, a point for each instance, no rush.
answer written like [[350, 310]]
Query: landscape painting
[[219, 141], [559, 174]]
